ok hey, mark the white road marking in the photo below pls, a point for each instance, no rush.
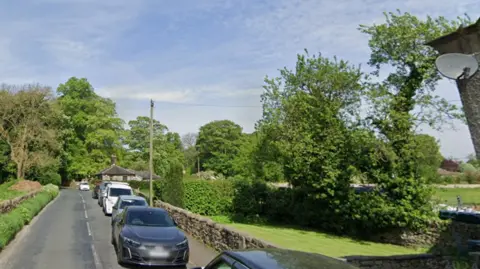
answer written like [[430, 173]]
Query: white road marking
[[96, 260], [86, 216], [88, 229], [84, 206]]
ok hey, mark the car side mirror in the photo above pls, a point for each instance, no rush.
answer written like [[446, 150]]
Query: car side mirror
[[114, 207]]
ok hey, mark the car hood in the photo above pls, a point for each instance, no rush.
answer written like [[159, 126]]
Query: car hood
[[154, 234]]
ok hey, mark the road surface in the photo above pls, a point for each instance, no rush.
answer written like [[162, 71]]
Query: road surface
[[73, 233]]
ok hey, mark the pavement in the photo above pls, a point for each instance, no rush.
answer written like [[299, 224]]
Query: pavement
[[72, 232]]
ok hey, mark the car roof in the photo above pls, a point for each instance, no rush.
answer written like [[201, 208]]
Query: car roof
[[145, 208], [118, 186], [275, 258], [131, 197]]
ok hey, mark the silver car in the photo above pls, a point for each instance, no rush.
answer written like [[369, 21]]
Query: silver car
[[102, 191], [124, 201]]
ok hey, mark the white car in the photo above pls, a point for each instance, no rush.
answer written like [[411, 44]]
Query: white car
[[111, 195], [84, 186]]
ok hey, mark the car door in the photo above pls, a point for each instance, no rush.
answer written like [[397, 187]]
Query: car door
[[115, 208], [119, 224]]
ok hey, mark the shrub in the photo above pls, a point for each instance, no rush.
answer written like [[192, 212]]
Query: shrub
[[144, 184], [12, 222], [173, 188], [50, 178], [467, 168], [209, 198]]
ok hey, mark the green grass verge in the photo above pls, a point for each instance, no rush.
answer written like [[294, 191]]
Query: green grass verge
[[317, 242], [12, 222], [470, 196], [6, 194]]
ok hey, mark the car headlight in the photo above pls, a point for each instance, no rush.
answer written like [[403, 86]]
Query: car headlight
[[182, 244], [130, 242]]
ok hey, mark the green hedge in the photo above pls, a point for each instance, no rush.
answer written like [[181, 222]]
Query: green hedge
[[144, 184], [209, 198], [12, 222]]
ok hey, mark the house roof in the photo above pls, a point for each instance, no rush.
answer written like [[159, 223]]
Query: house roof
[[453, 42], [115, 170]]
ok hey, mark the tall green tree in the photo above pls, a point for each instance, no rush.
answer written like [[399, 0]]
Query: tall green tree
[[399, 103], [218, 142], [92, 129], [167, 146]]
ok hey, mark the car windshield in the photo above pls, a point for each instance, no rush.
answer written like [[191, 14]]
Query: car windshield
[[149, 218], [84, 183], [134, 202], [115, 192]]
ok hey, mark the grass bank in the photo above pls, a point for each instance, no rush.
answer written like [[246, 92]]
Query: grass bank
[[469, 196], [12, 222], [6, 194], [317, 242]]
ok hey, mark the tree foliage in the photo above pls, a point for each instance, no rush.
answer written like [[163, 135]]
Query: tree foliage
[[28, 126]]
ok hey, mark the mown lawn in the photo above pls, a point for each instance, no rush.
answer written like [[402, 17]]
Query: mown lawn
[[317, 242], [469, 196], [6, 194]]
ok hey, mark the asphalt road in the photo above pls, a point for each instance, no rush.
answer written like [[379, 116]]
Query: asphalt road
[[73, 233]]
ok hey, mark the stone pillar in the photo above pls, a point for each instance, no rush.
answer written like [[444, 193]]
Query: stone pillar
[[469, 90], [465, 40]]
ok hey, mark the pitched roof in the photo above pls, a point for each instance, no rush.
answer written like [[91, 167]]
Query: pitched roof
[[115, 170]]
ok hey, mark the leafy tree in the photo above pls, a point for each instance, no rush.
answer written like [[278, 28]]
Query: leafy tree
[[166, 145], [92, 129], [218, 142], [190, 151], [400, 43], [399, 171], [28, 126]]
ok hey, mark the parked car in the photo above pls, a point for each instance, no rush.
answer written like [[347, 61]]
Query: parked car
[[149, 236], [274, 258], [113, 191], [95, 191], [127, 200], [102, 191], [84, 186]]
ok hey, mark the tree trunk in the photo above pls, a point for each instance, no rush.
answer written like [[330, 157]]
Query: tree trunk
[[469, 90], [19, 171]]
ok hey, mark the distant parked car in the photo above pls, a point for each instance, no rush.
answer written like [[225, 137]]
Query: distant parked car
[[274, 258], [148, 236], [84, 186], [113, 191], [124, 201]]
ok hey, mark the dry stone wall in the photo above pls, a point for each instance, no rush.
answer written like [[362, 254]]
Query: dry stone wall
[[8, 205], [423, 261], [211, 233], [222, 238]]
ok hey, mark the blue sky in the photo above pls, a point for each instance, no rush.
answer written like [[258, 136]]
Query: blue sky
[[186, 52]]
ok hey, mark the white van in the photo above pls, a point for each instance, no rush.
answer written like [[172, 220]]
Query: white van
[[111, 196]]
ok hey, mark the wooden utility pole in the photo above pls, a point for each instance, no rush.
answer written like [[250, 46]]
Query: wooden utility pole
[[151, 153]]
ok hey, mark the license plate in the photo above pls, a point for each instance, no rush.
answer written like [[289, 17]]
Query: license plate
[[159, 252]]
